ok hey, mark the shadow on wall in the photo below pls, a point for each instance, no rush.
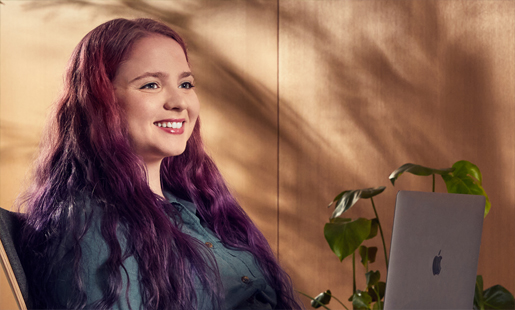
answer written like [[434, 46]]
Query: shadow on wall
[[425, 97], [397, 82], [372, 81]]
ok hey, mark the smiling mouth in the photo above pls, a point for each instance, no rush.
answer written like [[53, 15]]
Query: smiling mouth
[[173, 125]]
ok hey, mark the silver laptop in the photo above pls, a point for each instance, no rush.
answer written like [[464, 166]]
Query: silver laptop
[[434, 251]]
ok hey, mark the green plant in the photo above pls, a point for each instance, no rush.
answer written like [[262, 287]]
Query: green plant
[[345, 237]]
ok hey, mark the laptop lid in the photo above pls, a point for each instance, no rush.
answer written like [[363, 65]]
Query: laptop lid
[[434, 251]]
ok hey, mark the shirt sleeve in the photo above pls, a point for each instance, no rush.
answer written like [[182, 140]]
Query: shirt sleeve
[[95, 253]]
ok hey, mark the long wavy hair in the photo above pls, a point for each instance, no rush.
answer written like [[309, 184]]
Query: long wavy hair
[[86, 152]]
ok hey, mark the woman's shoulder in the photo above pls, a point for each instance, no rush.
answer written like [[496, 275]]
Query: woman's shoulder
[[95, 249], [93, 213]]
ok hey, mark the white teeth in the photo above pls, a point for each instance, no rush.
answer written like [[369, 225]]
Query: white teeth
[[174, 125]]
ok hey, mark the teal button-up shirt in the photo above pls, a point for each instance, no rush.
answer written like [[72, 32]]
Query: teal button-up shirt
[[244, 285]]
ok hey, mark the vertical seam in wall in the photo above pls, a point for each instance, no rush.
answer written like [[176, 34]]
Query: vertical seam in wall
[[278, 128]]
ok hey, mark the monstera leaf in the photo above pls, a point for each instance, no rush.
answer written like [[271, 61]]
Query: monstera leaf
[[416, 170], [463, 178], [373, 228], [361, 300], [345, 236], [378, 306], [346, 199], [380, 289], [466, 179], [368, 255], [322, 299], [495, 297], [372, 278]]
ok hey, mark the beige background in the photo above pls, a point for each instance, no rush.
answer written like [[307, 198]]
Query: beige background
[[301, 100]]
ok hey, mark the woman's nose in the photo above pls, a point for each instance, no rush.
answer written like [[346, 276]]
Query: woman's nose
[[175, 101]]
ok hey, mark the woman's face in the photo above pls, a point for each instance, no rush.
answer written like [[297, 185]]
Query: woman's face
[[155, 88]]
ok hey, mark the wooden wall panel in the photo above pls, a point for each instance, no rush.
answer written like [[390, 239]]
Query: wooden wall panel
[[235, 53], [366, 86]]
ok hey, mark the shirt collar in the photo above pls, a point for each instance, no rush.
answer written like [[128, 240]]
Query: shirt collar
[[184, 203]]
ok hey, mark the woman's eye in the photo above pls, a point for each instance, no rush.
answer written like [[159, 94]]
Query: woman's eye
[[150, 86], [186, 85]]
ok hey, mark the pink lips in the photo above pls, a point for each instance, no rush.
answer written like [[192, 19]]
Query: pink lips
[[173, 131]]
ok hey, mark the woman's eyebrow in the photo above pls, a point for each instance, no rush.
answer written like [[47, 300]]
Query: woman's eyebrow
[[186, 74], [159, 75]]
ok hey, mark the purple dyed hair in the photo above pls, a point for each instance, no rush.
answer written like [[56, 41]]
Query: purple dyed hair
[[86, 152]]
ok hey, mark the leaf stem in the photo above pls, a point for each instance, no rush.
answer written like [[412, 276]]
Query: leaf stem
[[381, 231], [313, 299], [354, 272], [341, 303], [433, 182], [378, 297]]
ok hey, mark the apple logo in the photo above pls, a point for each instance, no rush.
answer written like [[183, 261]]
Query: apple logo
[[437, 264]]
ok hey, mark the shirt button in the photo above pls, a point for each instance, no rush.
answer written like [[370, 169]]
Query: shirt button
[[245, 279], [209, 244]]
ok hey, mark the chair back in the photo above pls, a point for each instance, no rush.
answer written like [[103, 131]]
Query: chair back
[[10, 225]]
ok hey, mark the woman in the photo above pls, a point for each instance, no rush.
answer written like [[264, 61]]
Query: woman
[[126, 209]]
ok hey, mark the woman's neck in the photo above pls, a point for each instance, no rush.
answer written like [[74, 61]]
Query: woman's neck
[[154, 177]]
